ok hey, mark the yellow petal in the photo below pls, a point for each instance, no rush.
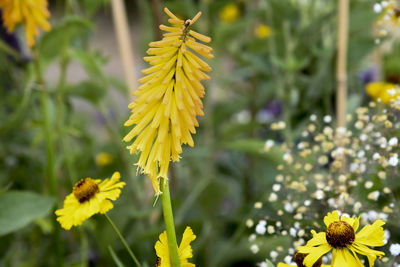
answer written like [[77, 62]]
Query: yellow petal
[[331, 217], [371, 235], [314, 253], [185, 250]]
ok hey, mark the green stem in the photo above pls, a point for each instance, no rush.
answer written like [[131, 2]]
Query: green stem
[[123, 241], [9, 50], [84, 247], [49, 139], [169, 223]]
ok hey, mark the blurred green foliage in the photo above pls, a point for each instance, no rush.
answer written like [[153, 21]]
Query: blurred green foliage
[[255, 82]]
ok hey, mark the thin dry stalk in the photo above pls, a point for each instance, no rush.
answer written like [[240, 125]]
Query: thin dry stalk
[[341, 67], [124, 43]]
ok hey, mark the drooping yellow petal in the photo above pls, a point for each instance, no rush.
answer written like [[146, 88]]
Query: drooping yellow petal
[[184, 250], [371, 235], [314, 253], [370, 253], [342, 257]]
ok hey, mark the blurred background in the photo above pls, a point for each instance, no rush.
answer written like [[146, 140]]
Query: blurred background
[[274, 62]]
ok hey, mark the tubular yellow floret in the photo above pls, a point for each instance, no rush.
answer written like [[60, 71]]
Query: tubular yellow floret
[[169, 99]]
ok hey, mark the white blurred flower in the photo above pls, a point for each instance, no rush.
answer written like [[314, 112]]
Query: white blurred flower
[[363, 137], [395, 249], [243, 116], [319, 194], [394, 160], [255, 249], [270, 229], [273, 254], [289, 207], [249, 223], [288, 259], [276, 187], [268, 144], [374, 195], [387, 236], [393, 141], [377, 8], [327, 119], [252, 237], [272, 197], [368, 184], [354, 167], [261, 227], [292, 232]]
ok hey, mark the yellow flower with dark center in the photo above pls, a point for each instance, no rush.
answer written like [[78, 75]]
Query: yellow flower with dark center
[[88, 198], [31, 13], [164, 112], [229, 13], [386, 92], [345, 243], [262, 31], [184, 250]]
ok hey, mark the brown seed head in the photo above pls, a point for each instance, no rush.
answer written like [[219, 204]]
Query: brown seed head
[[340, 234], [85, 189]]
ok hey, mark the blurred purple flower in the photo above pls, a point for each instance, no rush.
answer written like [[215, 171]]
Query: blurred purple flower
[[272, 109], [368, 75], [99, 118]]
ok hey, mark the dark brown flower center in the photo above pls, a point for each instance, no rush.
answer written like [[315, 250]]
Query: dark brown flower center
[[299, 258], [85, 189], [340, 234]]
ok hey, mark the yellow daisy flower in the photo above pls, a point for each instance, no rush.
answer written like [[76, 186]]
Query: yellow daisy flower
[[88, 198], [229, 13], [32, 13], [386, 92], [262, 31], [184, 249], [345, 243], [164, 112]]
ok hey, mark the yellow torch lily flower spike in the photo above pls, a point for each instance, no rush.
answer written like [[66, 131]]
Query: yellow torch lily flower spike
[[32, 13], [164, 112]]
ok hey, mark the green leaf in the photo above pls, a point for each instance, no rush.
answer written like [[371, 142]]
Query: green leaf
[[90, 90], [19, 208], [92, 62], [269, 264], [117, 261], [68, 31]]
